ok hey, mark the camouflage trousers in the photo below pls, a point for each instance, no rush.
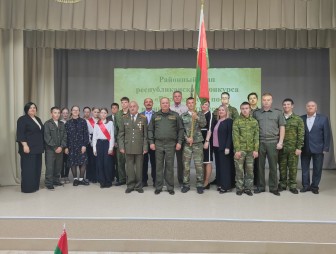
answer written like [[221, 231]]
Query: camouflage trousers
[[195, 150], [288, 163], [244, 171]]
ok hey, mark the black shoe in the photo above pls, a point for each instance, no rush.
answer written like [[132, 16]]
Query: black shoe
[[58, 184], [305, 189], [50, 188], [200, 190], [275, 192], [108, 185], [171, 192], [120, 183], [75, 182], [207, 187], [239, 192], [248, 192], [157, 192], [257, 191], [128, 190], [94, 181], [102, 186], [221, 191], [214, 182], [144, 184], [281, 188], [315, 191], [185, 189], [294, 190], [140, 190], [84, 182]]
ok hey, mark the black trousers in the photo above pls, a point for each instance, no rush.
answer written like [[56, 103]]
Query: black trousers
[[225, 169], [149, 156], [31, 165], [104, 162], [65, 169], [91, 170]]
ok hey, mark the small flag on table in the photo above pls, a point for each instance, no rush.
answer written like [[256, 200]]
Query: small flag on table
[[62, 246]]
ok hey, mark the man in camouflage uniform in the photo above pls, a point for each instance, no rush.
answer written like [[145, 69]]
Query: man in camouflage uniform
[[253, 101], [165, 134], [245, 132], [293, 143], [117, 123], [193, 145], [225, 98]]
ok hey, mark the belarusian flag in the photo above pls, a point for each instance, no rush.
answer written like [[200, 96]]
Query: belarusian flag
[[62, 246], [202, 84]]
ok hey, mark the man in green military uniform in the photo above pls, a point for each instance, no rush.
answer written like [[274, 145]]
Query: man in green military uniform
[[55, 139], [193, 145], [225, 98], [271, 135], [293, 143], [120, 157], [133, 143], [253, 101], [245, 133], [165, 134]]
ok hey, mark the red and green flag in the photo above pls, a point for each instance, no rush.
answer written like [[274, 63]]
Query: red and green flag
[[202, 83], [62, 246]]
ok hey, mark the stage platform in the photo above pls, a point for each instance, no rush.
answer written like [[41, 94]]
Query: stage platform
[[108, 220]]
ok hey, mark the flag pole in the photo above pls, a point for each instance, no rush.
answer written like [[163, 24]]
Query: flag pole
[[195, 101]]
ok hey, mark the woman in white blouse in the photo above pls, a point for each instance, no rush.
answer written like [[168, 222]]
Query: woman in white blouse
[[103, 143]]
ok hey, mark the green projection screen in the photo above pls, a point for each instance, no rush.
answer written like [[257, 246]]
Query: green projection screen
[[138, 84]]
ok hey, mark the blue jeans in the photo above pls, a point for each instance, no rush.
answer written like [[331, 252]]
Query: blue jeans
[[317, 169]]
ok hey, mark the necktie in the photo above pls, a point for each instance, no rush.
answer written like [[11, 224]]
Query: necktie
[[133, 119]]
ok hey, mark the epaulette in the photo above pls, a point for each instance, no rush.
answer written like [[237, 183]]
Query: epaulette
[[143, 116]]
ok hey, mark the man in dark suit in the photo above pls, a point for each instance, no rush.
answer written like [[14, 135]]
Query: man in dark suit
[[316, 144], [148, 103]]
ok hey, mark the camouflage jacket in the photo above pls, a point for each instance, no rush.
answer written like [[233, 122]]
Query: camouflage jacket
[[294, 134], [232, 111], [199, 123], [245, 134]]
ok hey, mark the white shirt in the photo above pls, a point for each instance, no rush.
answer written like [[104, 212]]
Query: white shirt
[[90, 129], [98, 134], [310, 121], [135, 116], [149, 114], [180, 109]]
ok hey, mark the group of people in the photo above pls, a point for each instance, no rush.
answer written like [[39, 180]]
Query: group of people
[[120, 146]]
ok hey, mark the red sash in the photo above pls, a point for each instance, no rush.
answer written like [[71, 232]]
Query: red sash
[[104, 130], [92, 122]]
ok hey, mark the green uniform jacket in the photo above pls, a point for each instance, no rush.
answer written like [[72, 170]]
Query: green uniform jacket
[[54, 136], [118, 117], [165, 127], [199, 123], [133, 134], [232, 111], [269, 124], [294, 134], [245, 134]]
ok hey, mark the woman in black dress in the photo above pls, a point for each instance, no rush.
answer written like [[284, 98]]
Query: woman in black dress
[[77, 140], [207, 144], [30, 139], [223, 148]]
